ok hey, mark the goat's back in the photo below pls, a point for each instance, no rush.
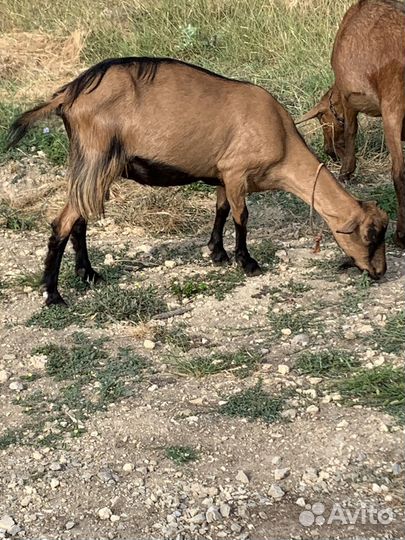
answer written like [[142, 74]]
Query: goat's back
[[173, 112], [369, 51]]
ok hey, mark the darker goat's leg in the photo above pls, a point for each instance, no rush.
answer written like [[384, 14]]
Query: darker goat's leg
[[349, 159], [235, 192], [83, 265], [61, 228], [216, 245], [392, 121]]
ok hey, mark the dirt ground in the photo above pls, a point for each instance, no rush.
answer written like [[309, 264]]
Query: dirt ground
[[248, 479]]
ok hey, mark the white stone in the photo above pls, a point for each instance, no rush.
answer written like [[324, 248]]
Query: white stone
[[170, 264], [4, 376], [149, 344], [17, 386], [104, 513], [312, 409], [300, 502], [6, 523], [276, 492], [128, 467], [283, 369], [54, 483], [225, 510], [242, 477], [280, 474]]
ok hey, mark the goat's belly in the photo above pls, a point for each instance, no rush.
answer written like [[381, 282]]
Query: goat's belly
[[365, 103], [154, 173]]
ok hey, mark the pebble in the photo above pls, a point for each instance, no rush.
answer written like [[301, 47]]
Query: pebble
[[300, 339], [198, 518], [312, 409], [54, 483], [300, 502], [242, 477], [170, 264], [114, 518], [283, 369], [286, 331], [17, 386], [289, 413], [128, 467], [104, 513], [280, 474], [149, 344], [212, 514], [69, 525], [55, 466], [225, 510], [235, 527], [7, 523], [276, 492], [25, 501], [276, 460], [4, 376]]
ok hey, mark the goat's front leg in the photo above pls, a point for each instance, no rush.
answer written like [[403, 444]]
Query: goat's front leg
[[349, 159], [216, 245], [83, 265], [393, 121], [61, 229], [235, 192]]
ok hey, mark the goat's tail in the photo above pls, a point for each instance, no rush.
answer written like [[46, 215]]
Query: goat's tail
[[25, 121], [91, 175]]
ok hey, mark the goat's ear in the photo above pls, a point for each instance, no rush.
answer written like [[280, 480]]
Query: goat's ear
[[350, 226], [313, 113]]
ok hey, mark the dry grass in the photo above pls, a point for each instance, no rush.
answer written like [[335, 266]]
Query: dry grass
[[160, 211], [34, 65]]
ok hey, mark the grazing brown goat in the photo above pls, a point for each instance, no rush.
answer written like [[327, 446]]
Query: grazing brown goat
[[368, 60], [162, 122]]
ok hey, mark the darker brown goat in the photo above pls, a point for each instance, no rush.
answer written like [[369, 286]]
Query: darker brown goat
[[162, 122], [368, 60]]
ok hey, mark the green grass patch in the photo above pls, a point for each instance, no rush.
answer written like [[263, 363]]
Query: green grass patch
[[240, 363], [102, 306], [297, 321], [88, 379], [265, 252], [215, 283], [49, 138], [333, 363], [181, 454], [356, 295], [177, 337], [16, 220], [255, 404], [382, 388], [391, 338]]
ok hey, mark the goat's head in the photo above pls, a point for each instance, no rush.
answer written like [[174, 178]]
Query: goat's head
[[329, 112], [362, 238]]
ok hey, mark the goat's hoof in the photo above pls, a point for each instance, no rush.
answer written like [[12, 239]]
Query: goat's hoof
[[89, 276], [251, 268], [400, 240], [54, 299], [220, 257]]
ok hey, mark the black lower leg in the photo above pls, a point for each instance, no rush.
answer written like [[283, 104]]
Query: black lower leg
[[83, 266], [216, 245], [56, 247], [242, 255]]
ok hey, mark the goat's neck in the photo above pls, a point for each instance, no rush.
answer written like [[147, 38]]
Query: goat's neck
[[331, 200]]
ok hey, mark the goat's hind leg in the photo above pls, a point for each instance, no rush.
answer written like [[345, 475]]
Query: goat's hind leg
[[236, 194], [83, 265], [61, 229], [216, 245]]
